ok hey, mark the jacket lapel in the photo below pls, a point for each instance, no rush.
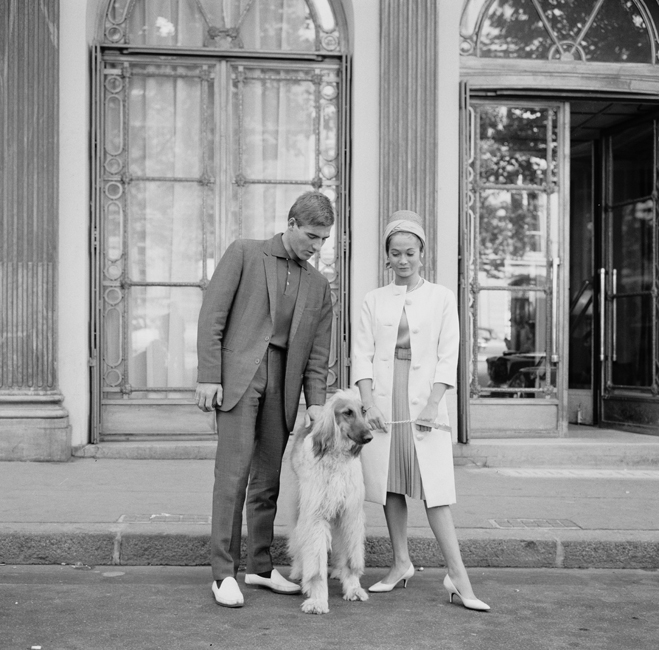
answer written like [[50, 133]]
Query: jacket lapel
[[302, 293], [270, 263]]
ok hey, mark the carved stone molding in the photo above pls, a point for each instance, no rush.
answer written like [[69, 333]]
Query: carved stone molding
[[408, 116]]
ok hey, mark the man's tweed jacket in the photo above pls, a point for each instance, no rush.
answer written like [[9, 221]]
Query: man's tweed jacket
[[236, 323]]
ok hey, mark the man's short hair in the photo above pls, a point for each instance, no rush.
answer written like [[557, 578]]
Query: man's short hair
[[312, 209]]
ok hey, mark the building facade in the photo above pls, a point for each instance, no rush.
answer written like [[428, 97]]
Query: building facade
[[140, 137]]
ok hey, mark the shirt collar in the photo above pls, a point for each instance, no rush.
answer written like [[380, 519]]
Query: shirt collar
[[279, 250]]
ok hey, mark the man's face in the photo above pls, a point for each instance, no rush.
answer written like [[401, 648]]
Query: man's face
[[306, 241]]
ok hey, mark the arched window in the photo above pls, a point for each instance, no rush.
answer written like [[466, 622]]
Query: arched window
[[620, 31], [275, 25], [212, 116]]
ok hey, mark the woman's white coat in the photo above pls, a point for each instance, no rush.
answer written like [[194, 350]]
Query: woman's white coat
[[434, 340]]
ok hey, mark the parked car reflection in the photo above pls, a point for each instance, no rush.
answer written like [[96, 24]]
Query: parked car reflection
[[516, 360]]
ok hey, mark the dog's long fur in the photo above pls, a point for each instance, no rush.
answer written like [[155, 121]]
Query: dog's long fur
[[330, 500]]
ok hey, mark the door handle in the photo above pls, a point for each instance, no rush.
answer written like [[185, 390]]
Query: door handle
[[614, 315], [472, 133], [602, 309], [554, 302]]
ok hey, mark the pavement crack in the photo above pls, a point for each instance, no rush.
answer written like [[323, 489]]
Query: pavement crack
[[116, 551], [560, 554]]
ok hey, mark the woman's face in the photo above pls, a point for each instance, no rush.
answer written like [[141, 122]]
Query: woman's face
[[404, 254]]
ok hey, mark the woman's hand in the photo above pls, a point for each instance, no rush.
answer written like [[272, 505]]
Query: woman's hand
[[428, 418], [374, 419]]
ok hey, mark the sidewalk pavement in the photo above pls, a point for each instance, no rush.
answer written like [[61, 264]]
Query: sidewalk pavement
[[538, 503]]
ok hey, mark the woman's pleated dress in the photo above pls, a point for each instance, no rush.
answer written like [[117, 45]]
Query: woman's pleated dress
[[404, 474]]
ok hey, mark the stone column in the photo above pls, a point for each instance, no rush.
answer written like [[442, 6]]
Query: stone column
[[33, 423], [408, 116]]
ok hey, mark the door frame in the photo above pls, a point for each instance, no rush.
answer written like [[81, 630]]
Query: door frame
[[562, 81], [549, 414], [559, 80], [339, 353], [606, 392]]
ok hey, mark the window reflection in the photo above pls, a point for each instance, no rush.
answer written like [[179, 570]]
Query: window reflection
[[610, 31], [512, 331], [512, 236], [513, 145], [632, 246], [633, 163], [581, 266], [513, 30], [618, 33], [632, 236], [517, 219], [632, 359]]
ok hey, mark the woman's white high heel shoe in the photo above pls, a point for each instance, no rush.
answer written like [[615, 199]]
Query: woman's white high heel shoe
[[469, 603], [380, 587]]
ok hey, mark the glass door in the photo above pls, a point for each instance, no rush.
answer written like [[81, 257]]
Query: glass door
[[628, 281], [517, 215]]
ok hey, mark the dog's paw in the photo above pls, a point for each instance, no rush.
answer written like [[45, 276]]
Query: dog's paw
[[315, 606], [355, 593]]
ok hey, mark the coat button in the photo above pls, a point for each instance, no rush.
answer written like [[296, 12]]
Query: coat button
[[416, 366], [267, 338], [415, 330], [419, 435], [415, 400], [257, 360], [408, 301]]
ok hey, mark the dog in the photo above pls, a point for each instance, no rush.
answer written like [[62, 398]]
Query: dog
[[330, 500]]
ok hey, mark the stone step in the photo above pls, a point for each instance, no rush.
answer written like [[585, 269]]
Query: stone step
[[622, 450]]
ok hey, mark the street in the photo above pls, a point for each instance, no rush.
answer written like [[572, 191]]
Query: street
[[124, 607]]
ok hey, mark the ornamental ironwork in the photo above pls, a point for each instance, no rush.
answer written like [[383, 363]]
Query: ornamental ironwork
[[294, 26], [612, 31]]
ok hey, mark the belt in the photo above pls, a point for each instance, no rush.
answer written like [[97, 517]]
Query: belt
[[403, 353]]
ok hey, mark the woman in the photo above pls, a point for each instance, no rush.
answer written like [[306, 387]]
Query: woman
[[405, 358]]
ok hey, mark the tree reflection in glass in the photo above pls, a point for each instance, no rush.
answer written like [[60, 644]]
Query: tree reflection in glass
[[566, 30]]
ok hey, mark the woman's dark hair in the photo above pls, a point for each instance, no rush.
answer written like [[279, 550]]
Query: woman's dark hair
[[398, 232]]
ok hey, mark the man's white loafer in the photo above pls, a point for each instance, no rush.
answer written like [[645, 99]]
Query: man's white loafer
[[276, 582], [228, 594]]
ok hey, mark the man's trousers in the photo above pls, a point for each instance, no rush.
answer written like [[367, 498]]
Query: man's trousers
[[252, 437]]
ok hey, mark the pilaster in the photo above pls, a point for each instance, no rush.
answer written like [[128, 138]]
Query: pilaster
[[33, 423], [408, 116]]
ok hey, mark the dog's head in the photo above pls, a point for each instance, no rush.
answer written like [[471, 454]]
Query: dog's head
[[341, 425]]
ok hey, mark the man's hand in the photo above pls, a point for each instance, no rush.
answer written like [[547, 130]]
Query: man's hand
[[208, 396], [313, 413]]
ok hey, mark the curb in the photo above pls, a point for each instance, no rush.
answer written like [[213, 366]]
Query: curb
[[189, 545]]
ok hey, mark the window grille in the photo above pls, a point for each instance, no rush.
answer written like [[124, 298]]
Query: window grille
[[248, 109]]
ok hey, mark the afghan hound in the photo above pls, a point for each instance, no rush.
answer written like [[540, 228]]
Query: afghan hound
[[330, 500]]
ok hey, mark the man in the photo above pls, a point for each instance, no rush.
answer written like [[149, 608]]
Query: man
[[264, 335]]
